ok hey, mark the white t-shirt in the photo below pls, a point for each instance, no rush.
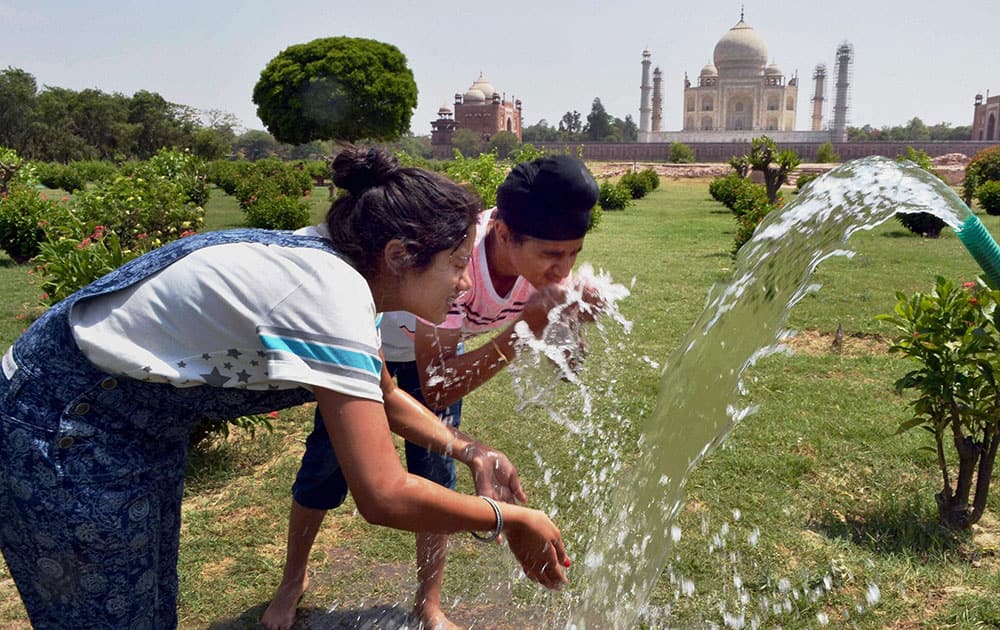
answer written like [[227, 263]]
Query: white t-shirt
[[270, 317], [478, 310]]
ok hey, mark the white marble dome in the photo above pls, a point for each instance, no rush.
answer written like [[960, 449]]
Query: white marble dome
[[741, 51], [709, 71]]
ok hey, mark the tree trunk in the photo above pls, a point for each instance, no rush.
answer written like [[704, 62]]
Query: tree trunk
[[983, 477]]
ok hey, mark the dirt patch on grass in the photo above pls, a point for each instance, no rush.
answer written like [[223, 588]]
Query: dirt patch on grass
[[848, 344]]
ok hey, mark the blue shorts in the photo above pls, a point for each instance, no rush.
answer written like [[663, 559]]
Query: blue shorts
[[320, 483]]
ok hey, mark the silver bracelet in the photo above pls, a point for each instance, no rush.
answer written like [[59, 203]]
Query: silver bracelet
[[498, 528]]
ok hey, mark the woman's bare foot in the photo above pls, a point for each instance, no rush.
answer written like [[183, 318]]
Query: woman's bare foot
[[280, 614]]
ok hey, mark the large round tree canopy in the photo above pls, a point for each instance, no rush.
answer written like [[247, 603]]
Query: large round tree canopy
[[336, 88]]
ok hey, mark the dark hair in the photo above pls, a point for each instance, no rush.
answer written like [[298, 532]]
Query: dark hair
[[383, 201]]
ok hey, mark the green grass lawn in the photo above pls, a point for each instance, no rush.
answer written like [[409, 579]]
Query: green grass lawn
[[810, 503]]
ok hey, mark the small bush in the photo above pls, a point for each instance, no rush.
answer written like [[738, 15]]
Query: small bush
[[23, 213], [60, 176], [680, 153], [825, 153], [227, 174], [651, 177], [613, 196], [988, 195], [923, 223], [637, 186], [803, 180], [750, 208], [983, 167], [596, 215], [278, 212], [725, 189], [94, 171]]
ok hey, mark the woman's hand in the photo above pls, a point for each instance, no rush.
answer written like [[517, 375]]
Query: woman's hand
[[537, 544]]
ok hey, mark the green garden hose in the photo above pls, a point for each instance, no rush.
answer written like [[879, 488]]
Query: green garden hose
[[983, 248]]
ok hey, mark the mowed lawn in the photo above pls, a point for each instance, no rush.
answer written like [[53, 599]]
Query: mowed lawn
[[826, 516]]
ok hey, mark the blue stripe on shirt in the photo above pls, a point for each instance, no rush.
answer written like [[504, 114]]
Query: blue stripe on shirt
[[325, 353]]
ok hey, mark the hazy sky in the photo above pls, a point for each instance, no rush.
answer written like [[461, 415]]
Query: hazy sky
[[912, 57]]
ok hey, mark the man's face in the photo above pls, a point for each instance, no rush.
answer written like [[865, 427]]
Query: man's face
[[543, 262]]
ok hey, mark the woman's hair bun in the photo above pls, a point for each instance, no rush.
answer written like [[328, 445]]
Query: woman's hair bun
[[356, 169]]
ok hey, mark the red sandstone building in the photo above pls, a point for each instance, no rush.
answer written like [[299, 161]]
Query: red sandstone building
[[481, 109], [985, 118]]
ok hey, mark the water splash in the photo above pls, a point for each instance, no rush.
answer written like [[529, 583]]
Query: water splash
[[699, 400]]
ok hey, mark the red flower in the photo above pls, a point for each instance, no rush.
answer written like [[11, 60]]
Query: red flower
[[968, 285], [186, 233], [273, 414], [84, 244], [973, 301]]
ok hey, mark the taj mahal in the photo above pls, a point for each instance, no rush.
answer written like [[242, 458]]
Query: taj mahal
[[740, 96]]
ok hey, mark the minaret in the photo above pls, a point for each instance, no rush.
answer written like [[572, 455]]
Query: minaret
[[645, 89], [845, 54], [657, 100], [819, 77]]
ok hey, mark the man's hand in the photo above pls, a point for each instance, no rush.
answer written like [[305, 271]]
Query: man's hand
[[494, 475]]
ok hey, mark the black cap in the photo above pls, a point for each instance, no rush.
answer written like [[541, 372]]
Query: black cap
[[549, 198]]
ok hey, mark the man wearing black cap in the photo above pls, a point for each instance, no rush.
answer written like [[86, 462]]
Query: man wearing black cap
[[525, 249]]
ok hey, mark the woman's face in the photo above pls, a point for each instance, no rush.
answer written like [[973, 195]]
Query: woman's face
[[429, 293]]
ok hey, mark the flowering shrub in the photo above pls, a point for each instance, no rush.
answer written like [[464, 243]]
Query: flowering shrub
[[65, 264], [952, 335], [15, 170], [23, 215], [182, 169], [155, 207]]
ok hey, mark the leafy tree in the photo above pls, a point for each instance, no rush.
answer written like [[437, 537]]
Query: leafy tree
[[468, 142], [256, 145], [159, 124], [17, 102], [570, 125], [54, 134], [774, 165], [951, 334], [342, 88], [211, 144], [416, 146], [540, 132], [598, 125], [629, 130], [101, 120], [503, 143], [914, 130]]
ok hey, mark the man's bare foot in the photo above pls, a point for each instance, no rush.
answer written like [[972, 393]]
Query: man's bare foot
[[433, 618], [280, 614]]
